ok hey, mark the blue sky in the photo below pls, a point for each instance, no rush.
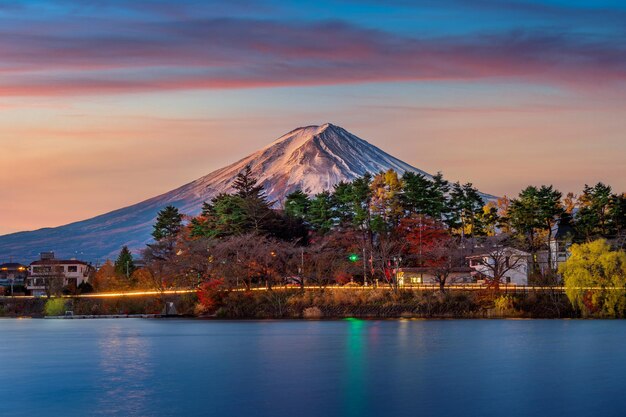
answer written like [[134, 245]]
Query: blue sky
[[127, 99]]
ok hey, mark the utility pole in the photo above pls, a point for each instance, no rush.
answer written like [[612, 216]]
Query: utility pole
[[237, 269], [364, 269], [302, 265]]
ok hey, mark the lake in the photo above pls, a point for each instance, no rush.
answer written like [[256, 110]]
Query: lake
[[141, 367]]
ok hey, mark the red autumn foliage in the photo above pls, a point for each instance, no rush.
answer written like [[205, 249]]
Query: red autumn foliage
[[343, 277], [210, 294], [424, 236], [588, 302]]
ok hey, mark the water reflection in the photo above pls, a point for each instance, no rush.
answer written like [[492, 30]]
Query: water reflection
[[124, 384], [355, 383], [311, 369]]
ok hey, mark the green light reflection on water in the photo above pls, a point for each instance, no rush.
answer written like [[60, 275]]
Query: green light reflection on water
[[355, 383]]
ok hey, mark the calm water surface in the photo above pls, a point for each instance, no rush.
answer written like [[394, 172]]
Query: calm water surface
[[483, 368]]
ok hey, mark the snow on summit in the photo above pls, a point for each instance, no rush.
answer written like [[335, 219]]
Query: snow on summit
[[312, 158]]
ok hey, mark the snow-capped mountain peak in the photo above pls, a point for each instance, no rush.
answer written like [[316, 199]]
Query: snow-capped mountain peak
[[311, 158]]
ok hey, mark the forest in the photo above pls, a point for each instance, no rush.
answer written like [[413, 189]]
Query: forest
[[361, 232]]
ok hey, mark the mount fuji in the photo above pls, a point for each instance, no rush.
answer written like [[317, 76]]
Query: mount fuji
[[311, 158]]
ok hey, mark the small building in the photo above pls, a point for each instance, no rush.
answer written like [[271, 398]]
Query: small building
[[51, 273], [512, 264], [427, 275], [562, 238], [12, 274]]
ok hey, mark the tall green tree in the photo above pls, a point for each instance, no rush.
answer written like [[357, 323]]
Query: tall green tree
[[321, 214], [361, 200], [246, 185], [618, 215], [418, 194], [593, 218], [168, 224], [534, 215], [125, 265], [466, 206], [260, 217], [345, 202], [297, 204], [439, 201], [524, 217], [550, 211], [224, 216]]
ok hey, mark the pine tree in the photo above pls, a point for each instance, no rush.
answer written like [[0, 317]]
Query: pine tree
[[550, 211], [344, 197], [297, 204], [417, 194], [466, 209], [321, 212], [439, 200], [168, 224], [524, 216], [124, 265], [593, 218], [247, 186], [618, 214]]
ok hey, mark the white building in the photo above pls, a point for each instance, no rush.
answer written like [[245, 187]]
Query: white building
[[49, 271], [427, 275], [513, 266]]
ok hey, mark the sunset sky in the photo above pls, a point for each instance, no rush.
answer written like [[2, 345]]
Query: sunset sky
[[106, 103]]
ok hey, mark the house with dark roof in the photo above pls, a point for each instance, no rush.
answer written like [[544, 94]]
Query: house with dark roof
[[562, 238], [49, 272]]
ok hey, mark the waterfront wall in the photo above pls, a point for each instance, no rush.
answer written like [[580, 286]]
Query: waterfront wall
[[316, 304], [121, 305]]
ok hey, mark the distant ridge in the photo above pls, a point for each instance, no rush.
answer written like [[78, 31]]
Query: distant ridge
[[311, 158]]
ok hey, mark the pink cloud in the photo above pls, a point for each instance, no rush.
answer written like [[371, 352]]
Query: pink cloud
[[237, 53]]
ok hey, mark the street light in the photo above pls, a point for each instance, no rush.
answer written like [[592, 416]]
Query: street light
[[396, 260]]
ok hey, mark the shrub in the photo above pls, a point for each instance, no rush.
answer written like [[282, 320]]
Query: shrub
[[210, 295], [55, 307], [504, 302], [312, 313]]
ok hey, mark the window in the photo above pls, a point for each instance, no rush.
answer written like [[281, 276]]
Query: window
[[72, 268]]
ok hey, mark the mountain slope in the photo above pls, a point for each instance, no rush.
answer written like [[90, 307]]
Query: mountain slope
[[312, 158]]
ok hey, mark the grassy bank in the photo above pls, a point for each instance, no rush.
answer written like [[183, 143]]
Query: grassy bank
[[310, 304], [39, 307], [384, 303]]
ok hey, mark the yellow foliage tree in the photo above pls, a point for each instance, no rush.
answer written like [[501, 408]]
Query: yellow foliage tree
[[595, 279], [143, 279]]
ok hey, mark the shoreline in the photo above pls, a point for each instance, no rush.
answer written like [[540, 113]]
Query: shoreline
[[244, 319]]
